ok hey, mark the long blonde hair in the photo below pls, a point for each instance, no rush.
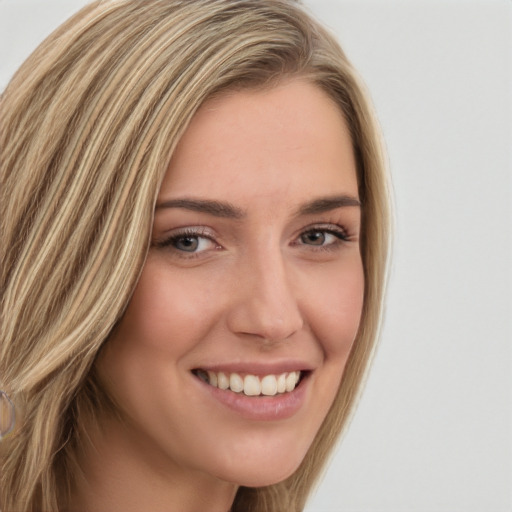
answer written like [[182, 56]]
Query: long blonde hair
[[87, 128]]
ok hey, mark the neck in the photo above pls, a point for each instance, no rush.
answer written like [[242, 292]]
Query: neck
[[121, 471]]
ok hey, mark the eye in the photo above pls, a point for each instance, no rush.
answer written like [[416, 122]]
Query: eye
[[189, 241], [314, 237], [323, 236]]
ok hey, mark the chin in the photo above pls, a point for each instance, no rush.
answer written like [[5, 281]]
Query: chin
[[263, 468], [262, 477]]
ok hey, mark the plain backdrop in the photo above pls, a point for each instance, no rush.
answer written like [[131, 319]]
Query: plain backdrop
[[433, 431]]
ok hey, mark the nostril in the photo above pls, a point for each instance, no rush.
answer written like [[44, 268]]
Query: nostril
[[264, 304]]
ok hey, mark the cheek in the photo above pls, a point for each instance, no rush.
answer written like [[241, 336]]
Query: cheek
[[146, 355], [335, 306], [163, 312]]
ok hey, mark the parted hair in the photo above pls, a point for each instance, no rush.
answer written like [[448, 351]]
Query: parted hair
[[88, 125]]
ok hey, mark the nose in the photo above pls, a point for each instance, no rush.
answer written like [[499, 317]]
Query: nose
[[264, 302]]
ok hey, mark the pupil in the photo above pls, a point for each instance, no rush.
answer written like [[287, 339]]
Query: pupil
[[314, 238], [188, 243]]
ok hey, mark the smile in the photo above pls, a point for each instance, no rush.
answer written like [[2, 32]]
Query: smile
[[251, 385]]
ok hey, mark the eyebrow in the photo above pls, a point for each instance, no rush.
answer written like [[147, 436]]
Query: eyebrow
[[216, 208], [325, 204], [228, 210]]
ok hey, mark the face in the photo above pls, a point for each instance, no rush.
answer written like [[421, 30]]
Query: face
[[233, 345]]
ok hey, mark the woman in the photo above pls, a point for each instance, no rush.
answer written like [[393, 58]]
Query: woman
[[194, 222]]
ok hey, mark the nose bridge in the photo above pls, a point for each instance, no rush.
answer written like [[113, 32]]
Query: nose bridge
[[266, 304]]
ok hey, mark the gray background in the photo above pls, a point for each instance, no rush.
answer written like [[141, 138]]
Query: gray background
[[433, 429]]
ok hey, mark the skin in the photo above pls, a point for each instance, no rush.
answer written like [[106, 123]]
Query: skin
[[258, 287]]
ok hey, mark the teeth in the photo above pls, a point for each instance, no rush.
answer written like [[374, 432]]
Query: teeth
[[212, 379], [251, 385], [290, 381], [281, 383], [222, 381], [236, 383], [269, 385]]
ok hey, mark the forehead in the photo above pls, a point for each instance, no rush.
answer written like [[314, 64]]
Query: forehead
[[263, 141]]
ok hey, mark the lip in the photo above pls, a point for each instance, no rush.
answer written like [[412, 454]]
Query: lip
[[259, 408], [259, 369]]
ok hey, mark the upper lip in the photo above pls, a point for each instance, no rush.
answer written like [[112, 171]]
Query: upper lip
[[258, 368]]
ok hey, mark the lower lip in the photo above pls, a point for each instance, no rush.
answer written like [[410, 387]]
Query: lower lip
[[261, 408]]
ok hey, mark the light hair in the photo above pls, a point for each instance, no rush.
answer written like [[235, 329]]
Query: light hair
[[87, 128]]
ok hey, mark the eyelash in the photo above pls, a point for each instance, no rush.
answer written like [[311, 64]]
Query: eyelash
[[201, 233]]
